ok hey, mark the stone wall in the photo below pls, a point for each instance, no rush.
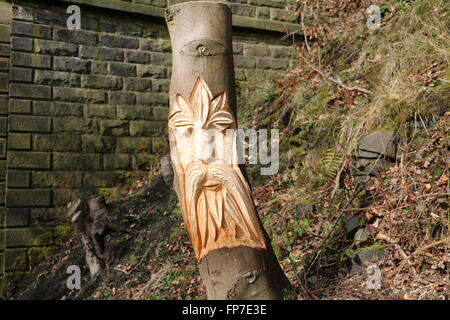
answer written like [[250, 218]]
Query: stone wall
[[5, 40], [273, 10], [88, 106], [270, 15]]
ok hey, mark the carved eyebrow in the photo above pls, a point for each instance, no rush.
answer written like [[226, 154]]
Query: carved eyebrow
[[203, 48]]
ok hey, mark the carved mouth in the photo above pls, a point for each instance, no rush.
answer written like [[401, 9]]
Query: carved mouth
[[212, 185]]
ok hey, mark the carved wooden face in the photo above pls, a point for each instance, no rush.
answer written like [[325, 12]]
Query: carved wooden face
[[200, 126], [215, 198]]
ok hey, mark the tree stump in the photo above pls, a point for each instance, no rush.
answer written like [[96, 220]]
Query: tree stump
[[235, 256]]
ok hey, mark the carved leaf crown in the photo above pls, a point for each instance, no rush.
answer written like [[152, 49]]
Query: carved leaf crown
[[209, 113]]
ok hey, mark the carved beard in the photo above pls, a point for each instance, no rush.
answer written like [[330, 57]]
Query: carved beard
[[220, 207], [215, 198]]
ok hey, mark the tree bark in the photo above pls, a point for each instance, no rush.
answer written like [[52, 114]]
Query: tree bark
[[89, 220], [243, 267]]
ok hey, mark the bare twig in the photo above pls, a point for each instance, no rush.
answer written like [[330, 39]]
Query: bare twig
[[338, 179], [154, 280], [400, 250], [422, 249], [121, 270], [317, 251], [304, 31], [338, 82], [293, 33]]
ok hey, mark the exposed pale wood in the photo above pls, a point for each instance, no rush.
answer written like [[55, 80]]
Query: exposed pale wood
[[215, 197]]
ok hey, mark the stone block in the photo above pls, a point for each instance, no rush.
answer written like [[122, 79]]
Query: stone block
[[76, 161], [122, 69], [20, 28], [18, 179], [79, 95], [132, 145], [160, 85], [19, 141], [244, 62], [382, 143], [101, 53], [21, 75], [160, 113], [98, 144], [23, 13], [4, 105], [134, 112], [23, 237], [155, 45], [116, 97], [28, 197], [116, 41], [55, 48], [262, 13], [101, 82], [3, 125], [4, 82], [57, 78], [238, 48], [129, 29], [113, 128], [49, 17], [5, 33], [138, 57], [76, 36], [22, 44], [268, 3], [161, 58], [50, 179], [103, 111], [5, 50], [284, 15], [273, 64], [57, 109], [30, 60], [116, 162], [25, 123], [48, 142], [137, 84], [99, 67], [256, 50], [29, 160], [21, 90], [151, 71], [16, 217], [71, 64], [153, 99], [242, 10], [75, 126]]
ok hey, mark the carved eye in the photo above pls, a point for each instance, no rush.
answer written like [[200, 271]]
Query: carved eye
[[203, 48]]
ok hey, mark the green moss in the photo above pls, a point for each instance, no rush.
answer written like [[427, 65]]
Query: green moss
[[160, 146], [39, 254], [110, 194]]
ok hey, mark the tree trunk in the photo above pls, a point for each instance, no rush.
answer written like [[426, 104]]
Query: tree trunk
[[235, 257]]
